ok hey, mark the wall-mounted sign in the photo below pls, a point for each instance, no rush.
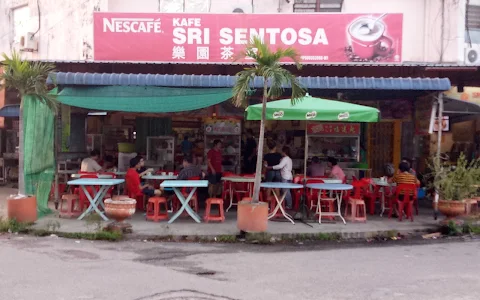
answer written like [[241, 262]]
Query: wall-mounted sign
[[333, 128], [445, 124], [222, 127], [218, 38], [469, 94]]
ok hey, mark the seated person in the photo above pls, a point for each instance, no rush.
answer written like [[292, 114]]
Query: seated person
[[133, 183], [316, 169], [189, 169], [410, 163], [404, 176], [108, 163], [336, 172], [90, 164]]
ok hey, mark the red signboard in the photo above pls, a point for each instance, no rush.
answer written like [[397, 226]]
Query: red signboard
[[217, 38], [333, 129]]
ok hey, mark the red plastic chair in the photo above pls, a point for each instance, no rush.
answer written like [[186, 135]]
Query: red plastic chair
[[227, 185], [84, 203], [114, 176], [186, 191], [243, 189], [408, 191]]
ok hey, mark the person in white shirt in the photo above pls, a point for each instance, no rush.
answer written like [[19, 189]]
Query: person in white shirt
[[285, 167], [90, 164]]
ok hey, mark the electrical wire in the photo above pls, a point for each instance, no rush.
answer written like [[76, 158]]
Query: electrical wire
[[39, 18]]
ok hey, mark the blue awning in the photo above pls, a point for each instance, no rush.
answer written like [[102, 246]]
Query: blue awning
[[225, 81], [10, 111]]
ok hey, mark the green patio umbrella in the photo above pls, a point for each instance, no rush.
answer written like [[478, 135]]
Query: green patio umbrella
[[313, 109]]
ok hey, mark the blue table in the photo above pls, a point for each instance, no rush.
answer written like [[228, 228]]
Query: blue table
[[280, 185], [338, 197], [103, 186], [177, 185]]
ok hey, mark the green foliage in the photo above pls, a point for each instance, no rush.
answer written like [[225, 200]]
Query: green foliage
[[454, 183], [28, 78], [268, 66], [13, 226]]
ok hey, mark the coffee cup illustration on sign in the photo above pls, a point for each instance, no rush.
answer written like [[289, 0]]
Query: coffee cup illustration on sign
[[367, 39]]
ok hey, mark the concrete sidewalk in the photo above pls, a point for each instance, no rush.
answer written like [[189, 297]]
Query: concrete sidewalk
[[187, 227]]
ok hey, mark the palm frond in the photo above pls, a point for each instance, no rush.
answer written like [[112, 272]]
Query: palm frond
[[28, 78], [242, 86]]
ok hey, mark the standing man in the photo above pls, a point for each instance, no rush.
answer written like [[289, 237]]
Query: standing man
[[214, 161], [186, 146], [249, 163]]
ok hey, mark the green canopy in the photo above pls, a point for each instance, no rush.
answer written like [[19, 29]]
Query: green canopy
[[148, 99], [314, 109]]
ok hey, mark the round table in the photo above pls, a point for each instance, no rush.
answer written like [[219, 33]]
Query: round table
[[382, 184], [238, 179], [338, 197], [280, 185]]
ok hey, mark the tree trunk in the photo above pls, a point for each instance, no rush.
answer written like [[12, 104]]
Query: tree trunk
[[261, 138], [21, 162]]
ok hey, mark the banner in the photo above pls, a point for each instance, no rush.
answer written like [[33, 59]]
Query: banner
[[333, 128], [218, 38]]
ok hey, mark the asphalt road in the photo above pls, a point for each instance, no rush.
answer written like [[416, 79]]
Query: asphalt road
[[52, 268]]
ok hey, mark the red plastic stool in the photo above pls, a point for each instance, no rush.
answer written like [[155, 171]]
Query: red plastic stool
[[356, 210], [153, 209], [208, 216], [326, 205], [70, 211]]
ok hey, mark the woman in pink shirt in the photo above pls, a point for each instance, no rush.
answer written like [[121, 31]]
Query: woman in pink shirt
[[336, 171]]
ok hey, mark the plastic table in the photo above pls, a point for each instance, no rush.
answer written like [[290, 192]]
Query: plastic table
[[103, 184], [280, 185], [177, 185], [160, 177], [383, 184], [238, 179], [100, 176], [338, 197]]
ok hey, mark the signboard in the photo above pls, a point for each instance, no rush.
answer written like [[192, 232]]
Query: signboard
[[469, 94], [445, 124], [218, 38], [222, 127], [333, 128]]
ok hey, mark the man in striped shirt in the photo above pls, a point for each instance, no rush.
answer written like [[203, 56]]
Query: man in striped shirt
[[189, 169], [404, 176]]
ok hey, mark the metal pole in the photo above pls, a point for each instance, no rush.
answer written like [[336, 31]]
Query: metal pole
[[55, 157], [439, 146], [306, 150]]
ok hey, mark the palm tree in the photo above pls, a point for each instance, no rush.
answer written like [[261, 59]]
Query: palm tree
[[29, 79], [275, 78]]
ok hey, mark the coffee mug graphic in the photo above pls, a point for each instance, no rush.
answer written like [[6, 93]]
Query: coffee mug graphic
[[368, 41]]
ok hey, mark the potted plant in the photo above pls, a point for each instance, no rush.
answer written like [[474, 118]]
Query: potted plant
[[454, 184], [252, 216], [30, 80]]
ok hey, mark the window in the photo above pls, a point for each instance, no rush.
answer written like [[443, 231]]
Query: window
[[21, 16], [472, 24], [317, 6]]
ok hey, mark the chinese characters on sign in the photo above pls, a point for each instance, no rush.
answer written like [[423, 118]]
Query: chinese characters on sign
[[217, 38], [333, 129]]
